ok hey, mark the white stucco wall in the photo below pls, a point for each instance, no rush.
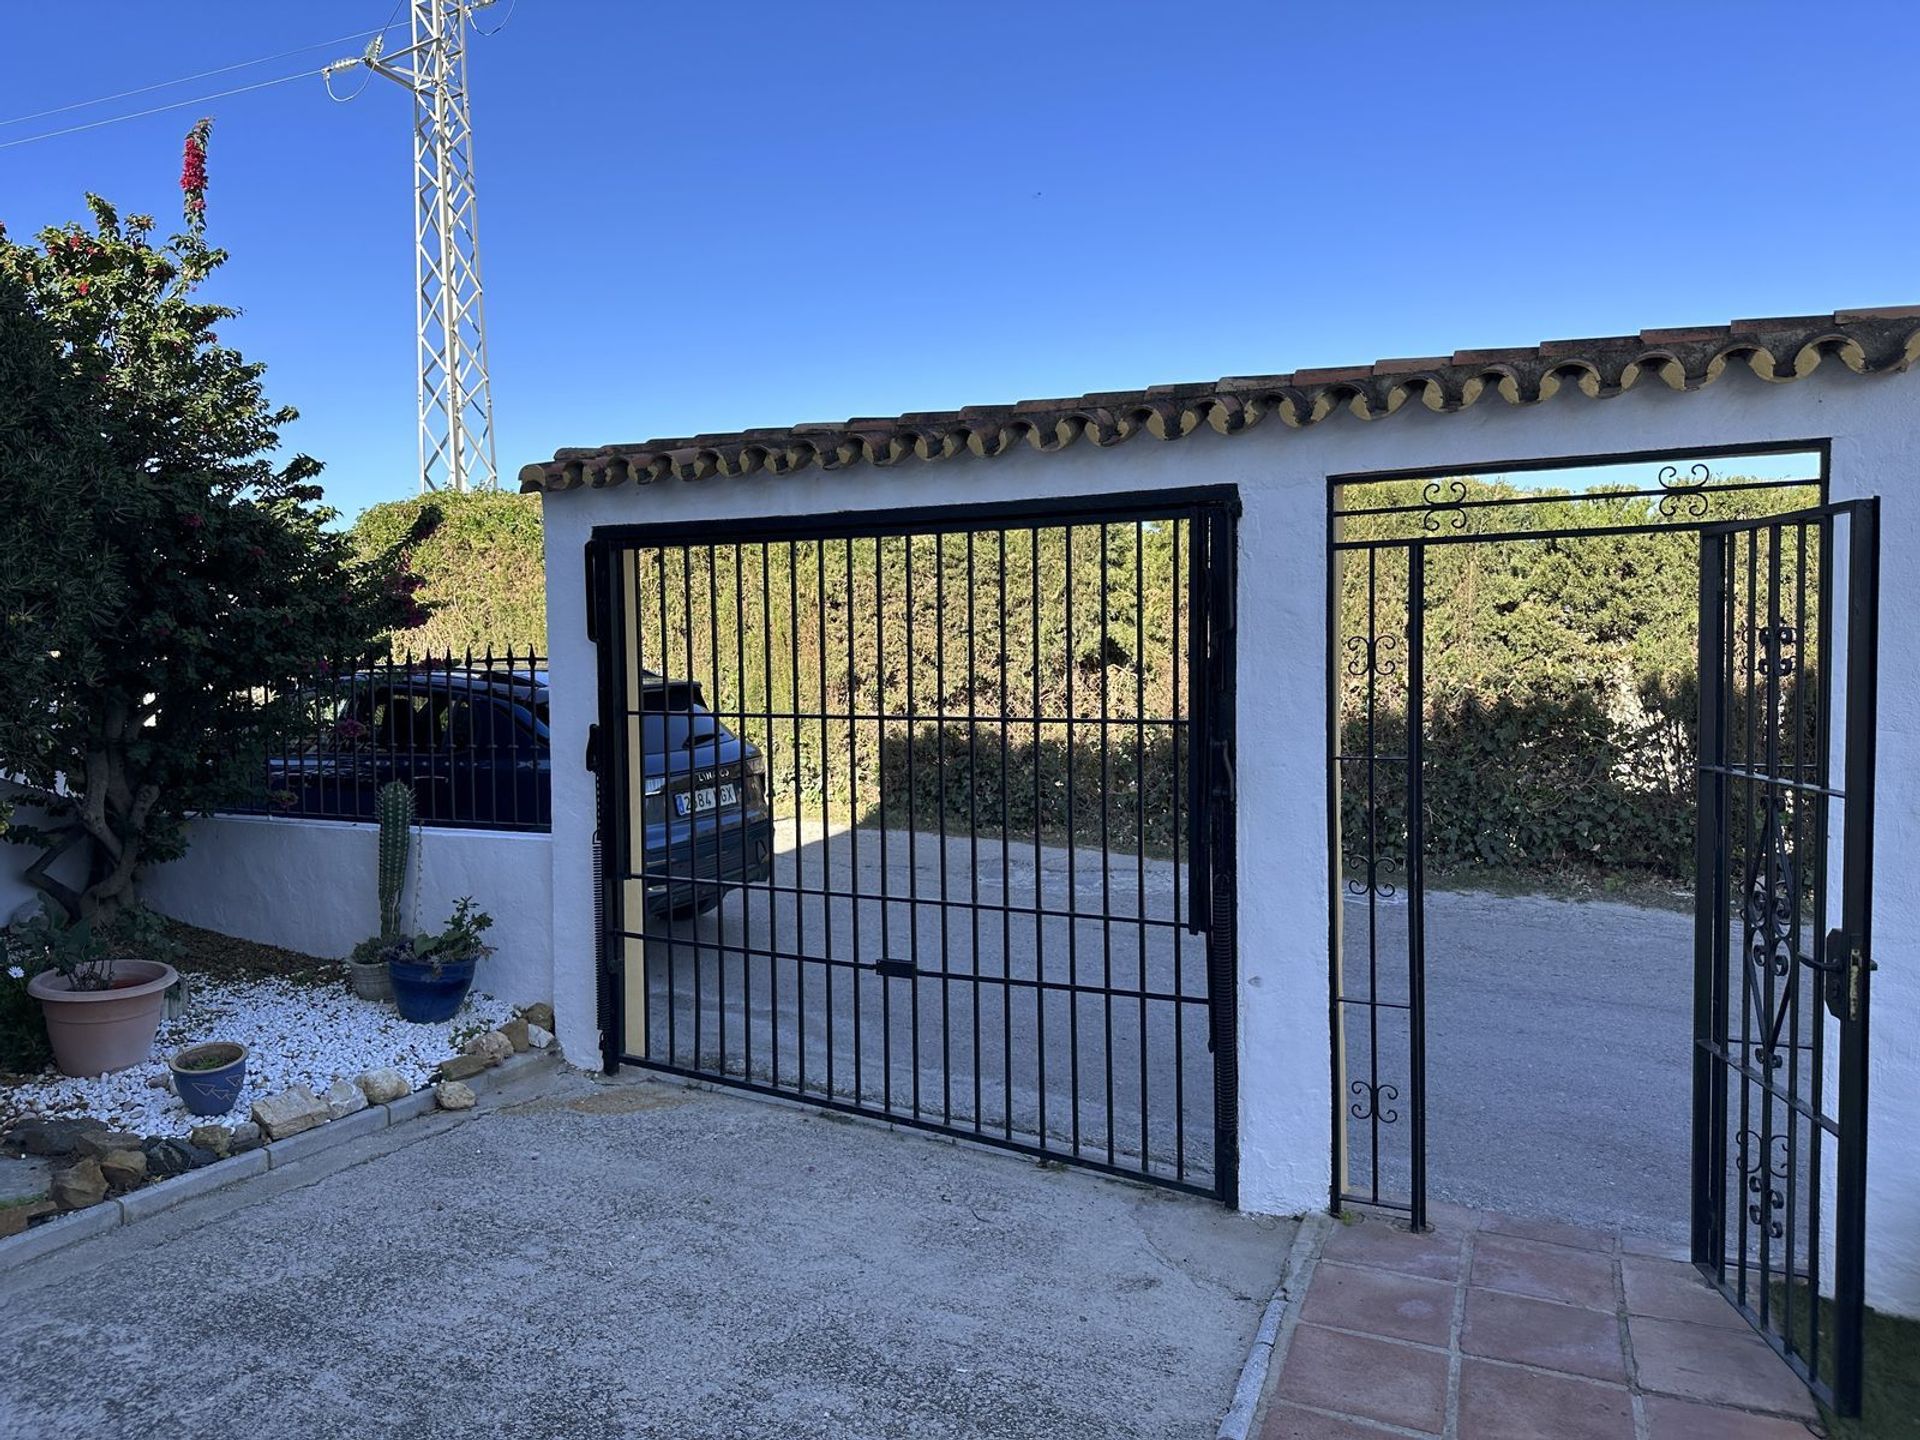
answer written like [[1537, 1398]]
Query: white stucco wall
[[1285, 1101], [310, 886]]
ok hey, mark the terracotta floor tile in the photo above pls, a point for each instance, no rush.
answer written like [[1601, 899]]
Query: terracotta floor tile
[[1289, 1422], [1546, 1272], [1371, 1379], [1551, 1232], [1401, 1307], [1500, 1403], [1539, 1332], [1669, 1419], [1388, 1245], [1674, 1290], [1715, 1364]]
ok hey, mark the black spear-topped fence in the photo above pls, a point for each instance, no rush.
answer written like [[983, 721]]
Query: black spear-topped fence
[[468, 733]]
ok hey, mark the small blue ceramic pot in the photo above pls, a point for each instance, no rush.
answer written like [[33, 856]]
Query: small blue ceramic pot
[[424, 997], [210, 1090]]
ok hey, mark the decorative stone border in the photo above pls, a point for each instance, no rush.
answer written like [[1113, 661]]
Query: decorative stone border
[[163, 1195]]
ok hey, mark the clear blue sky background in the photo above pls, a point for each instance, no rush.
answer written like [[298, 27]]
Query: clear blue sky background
[[706, 217]]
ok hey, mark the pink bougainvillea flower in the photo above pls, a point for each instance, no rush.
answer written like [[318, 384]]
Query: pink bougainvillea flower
[[192, 521]]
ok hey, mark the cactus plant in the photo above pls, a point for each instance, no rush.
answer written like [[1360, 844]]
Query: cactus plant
[[394, 809]]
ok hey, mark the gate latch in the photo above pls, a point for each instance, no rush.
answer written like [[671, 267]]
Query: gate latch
[[895, 969], [1847, 966]]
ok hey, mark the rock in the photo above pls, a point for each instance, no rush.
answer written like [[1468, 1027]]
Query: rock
[[290, 1112], [539, 1039], [166, 1156], [490, 1045], [50, 1137], [160, 1080], [217, 1138], [246, 1136], [17, 1215], [383, 1086], [463, 1067], [79, 1185], [453, 1095], [102, 1143], [516, 1033], [23, 1179], [123, 1169], [540, 1014], [343, 1097]]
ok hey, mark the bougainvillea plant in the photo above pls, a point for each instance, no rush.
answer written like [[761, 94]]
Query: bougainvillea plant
[[167, 578]]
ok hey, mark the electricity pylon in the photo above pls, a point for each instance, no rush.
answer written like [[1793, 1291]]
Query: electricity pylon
[[455, 391]]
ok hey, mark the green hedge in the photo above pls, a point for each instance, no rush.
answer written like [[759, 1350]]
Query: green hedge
[[1560, 686], [484, 567]]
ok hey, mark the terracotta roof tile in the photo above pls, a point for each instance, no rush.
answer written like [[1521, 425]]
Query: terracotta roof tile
[[1863, 342]]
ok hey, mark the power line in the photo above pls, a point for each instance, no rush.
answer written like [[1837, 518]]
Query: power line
[[160, 109], [188, 79]]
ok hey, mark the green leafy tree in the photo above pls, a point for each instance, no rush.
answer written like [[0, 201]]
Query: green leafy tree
[[166, 580]]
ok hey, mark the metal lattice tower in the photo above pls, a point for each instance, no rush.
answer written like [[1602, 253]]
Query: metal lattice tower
[[455, 391]]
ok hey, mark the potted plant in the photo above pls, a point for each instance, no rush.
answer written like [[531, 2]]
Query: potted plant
[[208, 1078], [102, 1010], [432, 973], [367, 965]]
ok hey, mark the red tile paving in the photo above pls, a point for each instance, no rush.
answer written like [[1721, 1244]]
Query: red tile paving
[[1378, 1302], [1366, 1379], [1492, 1327]]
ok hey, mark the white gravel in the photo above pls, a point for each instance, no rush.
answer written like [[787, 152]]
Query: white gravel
[[294, 1034]]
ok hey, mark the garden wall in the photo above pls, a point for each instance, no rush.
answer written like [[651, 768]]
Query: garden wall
[[308, 885]]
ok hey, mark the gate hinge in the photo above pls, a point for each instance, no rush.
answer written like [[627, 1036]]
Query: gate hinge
[[593, 749], [1225, 784]]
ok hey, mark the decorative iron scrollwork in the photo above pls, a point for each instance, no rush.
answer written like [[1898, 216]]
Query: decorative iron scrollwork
[[1689, 493], [1758, 1174], [1364, 875], [1372, 654], [1368, 1107], [1771, 909], [1777, 643], [1446, 498]]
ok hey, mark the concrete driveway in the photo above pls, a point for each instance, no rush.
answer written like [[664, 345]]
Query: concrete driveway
[[1559, 1031], [637, 1259]]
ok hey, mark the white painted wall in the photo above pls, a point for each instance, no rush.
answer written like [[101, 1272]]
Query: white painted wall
[[309, 885], [15, 893], [1285, 1101]]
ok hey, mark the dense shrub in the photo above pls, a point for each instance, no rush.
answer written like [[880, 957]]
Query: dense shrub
[[1559, 692], [484, 571]]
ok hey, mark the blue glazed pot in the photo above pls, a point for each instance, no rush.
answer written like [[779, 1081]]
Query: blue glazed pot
[[424, 997], [212, 1091]]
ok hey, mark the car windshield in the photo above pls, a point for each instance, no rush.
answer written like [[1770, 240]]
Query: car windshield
[[673, 718]]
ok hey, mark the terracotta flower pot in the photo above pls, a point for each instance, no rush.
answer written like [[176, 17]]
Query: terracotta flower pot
[[95, 1031]]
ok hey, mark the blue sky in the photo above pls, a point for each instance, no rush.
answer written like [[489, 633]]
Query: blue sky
[[716, 216]]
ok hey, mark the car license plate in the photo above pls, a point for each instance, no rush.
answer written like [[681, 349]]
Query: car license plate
[[711, 798]]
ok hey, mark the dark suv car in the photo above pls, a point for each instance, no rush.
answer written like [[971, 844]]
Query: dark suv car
[[473, 744]]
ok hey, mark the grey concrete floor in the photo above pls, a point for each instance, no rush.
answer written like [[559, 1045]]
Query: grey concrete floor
[[1559, 1031], [1559, 1047], [638, 1259]]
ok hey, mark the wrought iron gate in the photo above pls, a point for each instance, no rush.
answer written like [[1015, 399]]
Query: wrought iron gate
[[1783, 943], [928, 815], [1783, 856]]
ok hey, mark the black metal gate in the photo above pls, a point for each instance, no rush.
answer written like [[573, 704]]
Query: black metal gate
[[1788, 640], [928, 815]]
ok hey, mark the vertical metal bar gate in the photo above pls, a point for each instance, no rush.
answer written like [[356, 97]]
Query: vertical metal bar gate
[[1378, 980], [1788, 652], [929, 815]]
